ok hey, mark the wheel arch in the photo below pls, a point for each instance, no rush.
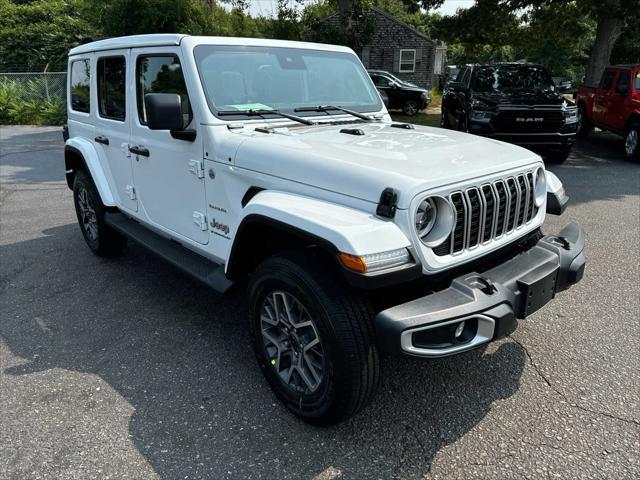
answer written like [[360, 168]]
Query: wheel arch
[[80, 154], [259, 237], [633, 119], [274, 222]]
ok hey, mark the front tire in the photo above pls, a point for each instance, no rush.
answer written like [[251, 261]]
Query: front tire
[[101, 239], [584, 125], [313, 338], [632, 143]]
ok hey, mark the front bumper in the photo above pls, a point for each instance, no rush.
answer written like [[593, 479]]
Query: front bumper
[[488, 303]]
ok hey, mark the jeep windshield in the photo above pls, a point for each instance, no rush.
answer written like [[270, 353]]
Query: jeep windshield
[[244, 78], [499, 78]]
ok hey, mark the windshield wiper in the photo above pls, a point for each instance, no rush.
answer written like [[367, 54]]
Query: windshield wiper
[[261, 112], [326, 108]]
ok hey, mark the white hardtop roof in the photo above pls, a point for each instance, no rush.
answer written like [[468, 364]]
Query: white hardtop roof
[[164, 39]]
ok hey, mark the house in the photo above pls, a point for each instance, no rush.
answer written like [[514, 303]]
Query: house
[[399, 48]]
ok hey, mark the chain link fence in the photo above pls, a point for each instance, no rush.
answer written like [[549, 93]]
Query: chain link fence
[[33, 98], [32, 86]]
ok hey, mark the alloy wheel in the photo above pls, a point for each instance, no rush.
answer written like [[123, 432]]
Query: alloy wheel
[[292, 342], [631, 142], [410, 108], [87, 215]]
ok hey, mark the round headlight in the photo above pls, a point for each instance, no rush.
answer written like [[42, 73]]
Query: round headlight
[[540, 188], [434, 220], [425, 217]]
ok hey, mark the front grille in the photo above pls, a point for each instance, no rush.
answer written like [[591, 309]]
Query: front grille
[[488, 212], [529, 121]]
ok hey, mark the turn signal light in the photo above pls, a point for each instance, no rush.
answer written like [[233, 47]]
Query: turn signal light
[[375, 261], [353, 262]]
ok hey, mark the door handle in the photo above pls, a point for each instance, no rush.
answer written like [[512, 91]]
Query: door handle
[[102, 139], [136, 150]]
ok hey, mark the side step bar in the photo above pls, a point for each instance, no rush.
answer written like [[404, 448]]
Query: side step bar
[[199, 267]]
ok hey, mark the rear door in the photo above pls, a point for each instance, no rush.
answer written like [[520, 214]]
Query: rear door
[[112, 124], [619, 100], [602, 95], [170, 180]]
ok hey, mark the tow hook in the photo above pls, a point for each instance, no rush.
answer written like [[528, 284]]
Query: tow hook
[[487, 286], [562, 242]]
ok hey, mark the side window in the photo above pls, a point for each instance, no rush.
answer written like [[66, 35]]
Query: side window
[[80, 86], [112, 74], [161, 74], [636, 84], [607, 79], [380, 81], [466, 76], [624, 83]]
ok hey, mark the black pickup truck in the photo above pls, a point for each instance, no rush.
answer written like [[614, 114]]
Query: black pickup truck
[[513, 102]]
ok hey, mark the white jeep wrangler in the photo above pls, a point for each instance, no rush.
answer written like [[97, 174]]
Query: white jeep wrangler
[[276, 164]]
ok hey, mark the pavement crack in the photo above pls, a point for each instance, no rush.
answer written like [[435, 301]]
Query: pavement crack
[[571, 403]]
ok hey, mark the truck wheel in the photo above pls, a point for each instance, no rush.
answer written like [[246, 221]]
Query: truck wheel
[[313, 338], [632, 143], [410, 108], [102, 240], [584, 125]]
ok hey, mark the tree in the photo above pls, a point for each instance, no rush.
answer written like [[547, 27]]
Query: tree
[[610, 17], [131, 17], [34, 35]]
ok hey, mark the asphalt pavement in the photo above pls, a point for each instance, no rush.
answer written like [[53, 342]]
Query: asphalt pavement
[[126, 368]]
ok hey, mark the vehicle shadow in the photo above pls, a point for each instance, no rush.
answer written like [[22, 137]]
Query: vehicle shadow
[[31, 154], [182, 359], [597, 170]]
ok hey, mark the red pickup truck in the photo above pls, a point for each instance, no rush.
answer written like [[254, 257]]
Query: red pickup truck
[[614, 106]]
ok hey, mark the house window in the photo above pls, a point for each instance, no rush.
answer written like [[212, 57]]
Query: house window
[[407, 60]]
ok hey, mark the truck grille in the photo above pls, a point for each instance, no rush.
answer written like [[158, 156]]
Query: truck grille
[[529, 121], [489, 212]]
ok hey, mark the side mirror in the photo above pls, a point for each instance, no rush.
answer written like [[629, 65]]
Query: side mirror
[[164, 111], [623, 90], [457, 86], [564, 86], [393, 84]]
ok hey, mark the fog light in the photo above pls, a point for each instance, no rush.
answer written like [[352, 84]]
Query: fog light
[[459, 330]]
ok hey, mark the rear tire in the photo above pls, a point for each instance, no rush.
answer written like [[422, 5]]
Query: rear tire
[[584, 125], [632, 143], [101, 239], [346, 371]]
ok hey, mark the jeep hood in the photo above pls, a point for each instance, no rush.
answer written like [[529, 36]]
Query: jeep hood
[[362, 166]]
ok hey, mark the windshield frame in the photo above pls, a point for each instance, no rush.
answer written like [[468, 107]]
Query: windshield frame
[[367, 109]]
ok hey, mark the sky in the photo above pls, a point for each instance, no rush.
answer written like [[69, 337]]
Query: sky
[[267, 8]]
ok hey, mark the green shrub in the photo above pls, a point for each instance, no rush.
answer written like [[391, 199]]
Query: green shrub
[[55, 112], [26, 104], [26, 112], [8, 95]]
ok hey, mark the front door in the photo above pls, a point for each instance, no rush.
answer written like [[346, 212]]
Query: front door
[[112, 125], [170, 180], [618, 101], [602, 96]]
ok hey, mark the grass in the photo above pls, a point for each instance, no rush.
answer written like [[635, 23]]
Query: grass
[[429, 117]]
